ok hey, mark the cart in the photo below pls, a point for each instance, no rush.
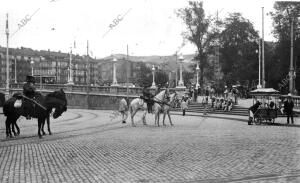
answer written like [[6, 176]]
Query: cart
[[265, 113]]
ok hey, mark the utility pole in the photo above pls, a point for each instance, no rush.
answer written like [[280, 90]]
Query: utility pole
[[16, 69], [88, 74], [176, 70], [7, 60], [263, 51], [127, 72], [291, 85]]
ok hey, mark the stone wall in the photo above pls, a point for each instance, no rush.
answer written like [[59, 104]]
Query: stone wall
[[94, 99]]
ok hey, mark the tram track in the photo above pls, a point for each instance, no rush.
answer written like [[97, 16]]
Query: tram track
[[65, 133]]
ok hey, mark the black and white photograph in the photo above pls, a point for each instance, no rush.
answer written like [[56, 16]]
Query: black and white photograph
[[142, 91]]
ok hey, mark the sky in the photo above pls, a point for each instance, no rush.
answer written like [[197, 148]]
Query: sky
[[148, 27]]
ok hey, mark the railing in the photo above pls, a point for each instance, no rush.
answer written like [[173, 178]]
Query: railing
[[296, 100], [121, 90]]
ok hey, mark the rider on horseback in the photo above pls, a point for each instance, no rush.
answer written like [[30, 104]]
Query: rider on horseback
[[28, 91], [148, 97]]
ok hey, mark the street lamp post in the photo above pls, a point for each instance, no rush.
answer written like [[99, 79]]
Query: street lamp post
[[180, 82], [197, 70], [70, 80], [259, 65], [292, 16], [115, 82], [7, 60], [153, 77], [31, 63]]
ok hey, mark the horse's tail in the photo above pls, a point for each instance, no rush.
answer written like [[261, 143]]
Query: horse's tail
[[130, 109], [8, 107]]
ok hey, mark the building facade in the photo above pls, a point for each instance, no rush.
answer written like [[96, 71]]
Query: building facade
[[47, 66]]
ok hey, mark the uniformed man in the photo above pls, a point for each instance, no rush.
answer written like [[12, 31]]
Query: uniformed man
[[288, 108], [148, 97], [28, 91]]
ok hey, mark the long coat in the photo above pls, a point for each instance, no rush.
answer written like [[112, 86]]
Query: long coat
[[288, 107], [29, 89]]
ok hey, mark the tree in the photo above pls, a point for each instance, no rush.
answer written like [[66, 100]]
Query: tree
[[284, 12], [144, 76], [198, 32], [238, 43], [161, 78]]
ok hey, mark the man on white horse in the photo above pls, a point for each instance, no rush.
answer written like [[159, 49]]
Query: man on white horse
[[148, 98]]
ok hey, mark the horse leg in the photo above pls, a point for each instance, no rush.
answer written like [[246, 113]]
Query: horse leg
[[132, 115], [17, 127], [144, 117], [13, 126], [170, 118], [48, 125], [164, 118], [42, 127], [40, 121], [157, 118], [8, 130]]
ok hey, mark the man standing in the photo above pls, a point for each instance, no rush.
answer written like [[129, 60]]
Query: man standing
[[28, 91], [288, 108], [148, 97], [123, 109]]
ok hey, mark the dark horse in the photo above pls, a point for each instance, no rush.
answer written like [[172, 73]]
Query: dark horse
[[56, 99]]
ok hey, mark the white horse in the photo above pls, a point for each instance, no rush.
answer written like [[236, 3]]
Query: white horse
[[139, 104], [172, 103]]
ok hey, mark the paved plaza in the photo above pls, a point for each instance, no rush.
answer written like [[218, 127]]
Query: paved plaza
[[94, 146]]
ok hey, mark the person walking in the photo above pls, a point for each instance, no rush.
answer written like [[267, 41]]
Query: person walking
[[184, 105], [288, 109], [205, 104], [123, 109]]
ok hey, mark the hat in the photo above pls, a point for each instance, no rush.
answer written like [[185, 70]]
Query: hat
[[289, 95], [30, 79]]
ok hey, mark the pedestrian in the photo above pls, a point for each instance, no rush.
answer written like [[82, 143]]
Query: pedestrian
[[195, 94], [123, 109], [288, 108], [184, 105], [205, 104], [252, 111]]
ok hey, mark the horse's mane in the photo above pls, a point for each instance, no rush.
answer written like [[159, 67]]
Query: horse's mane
[[60, 94], [160, 95]]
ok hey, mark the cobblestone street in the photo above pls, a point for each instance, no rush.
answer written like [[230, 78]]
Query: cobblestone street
[[93, 146]]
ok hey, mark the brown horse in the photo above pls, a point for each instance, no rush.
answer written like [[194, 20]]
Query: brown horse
[[56, 99]]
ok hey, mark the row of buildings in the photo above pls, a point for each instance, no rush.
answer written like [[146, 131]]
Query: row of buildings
[[53, 67]]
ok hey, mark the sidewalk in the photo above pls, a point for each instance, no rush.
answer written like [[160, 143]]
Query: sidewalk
[[281, 121]]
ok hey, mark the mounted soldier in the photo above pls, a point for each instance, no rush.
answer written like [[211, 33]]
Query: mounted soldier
[[29, 92], [148, 98]]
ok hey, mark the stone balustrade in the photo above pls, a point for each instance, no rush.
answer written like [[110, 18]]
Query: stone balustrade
[[89, 97]]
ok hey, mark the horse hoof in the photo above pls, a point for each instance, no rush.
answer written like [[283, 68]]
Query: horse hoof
[[44, 133], [50, 133], [145, 124], [123, 122]]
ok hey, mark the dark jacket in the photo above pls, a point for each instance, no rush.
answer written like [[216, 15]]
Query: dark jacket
[[254, 107], [29, 90], [288, 107]]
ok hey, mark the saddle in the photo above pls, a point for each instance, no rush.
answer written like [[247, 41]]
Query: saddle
[[26, 104], [149, 102]]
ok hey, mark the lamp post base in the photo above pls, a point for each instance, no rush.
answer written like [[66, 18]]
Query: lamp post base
[[180, 84], [115, 84], [7, 95], [70, 83]]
